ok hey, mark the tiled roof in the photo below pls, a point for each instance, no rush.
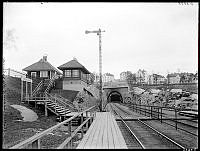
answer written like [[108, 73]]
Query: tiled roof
[[41, 66], [73, 64]]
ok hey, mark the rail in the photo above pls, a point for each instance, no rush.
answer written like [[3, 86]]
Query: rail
[[37, 88], [34, 141], [138, 140], [58, 101], [50, 83], [160, 113], [65, 101]]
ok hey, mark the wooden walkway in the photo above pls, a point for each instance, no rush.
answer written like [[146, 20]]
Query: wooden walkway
[[104, 133]]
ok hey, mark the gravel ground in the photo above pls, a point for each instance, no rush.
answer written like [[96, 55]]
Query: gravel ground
[[185, 139]]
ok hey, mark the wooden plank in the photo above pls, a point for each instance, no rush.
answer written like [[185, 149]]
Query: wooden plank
[[122, 143], [114, 134], [86, 137], [90, 143], [96, 137], [109, 131], [105, 133], [100, 139]]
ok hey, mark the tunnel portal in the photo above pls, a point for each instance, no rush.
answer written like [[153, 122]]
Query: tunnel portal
[[115, 96]]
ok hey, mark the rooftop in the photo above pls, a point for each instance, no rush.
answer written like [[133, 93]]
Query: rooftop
[[41, 65], [73, 64]]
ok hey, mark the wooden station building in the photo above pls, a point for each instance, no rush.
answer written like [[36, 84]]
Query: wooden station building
[[41, 70], [75, 76]]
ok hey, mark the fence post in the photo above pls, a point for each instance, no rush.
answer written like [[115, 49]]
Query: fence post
[[87, 118], [175, 118], [70, 133], [161, 114], [36, 144], [158, 112], [151, 111], [82, 126], [45, 104], [145, 111]]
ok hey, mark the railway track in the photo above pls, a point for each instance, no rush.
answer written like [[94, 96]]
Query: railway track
[[140, 135], [188, 125]]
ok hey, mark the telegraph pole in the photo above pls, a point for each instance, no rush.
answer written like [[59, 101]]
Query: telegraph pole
[[98, 32]]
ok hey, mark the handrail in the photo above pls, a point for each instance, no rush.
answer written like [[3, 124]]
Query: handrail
[[37, 88], [50, 83], [41, 134], [58, 100], [66, 101]]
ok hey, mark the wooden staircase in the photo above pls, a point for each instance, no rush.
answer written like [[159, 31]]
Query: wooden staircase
[[55, 103]]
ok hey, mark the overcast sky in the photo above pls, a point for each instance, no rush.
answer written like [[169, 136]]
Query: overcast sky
[[156, 37]]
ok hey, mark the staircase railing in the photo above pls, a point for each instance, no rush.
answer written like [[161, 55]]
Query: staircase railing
[[66, 101], [50, 83], [37, 88], [59, 101]]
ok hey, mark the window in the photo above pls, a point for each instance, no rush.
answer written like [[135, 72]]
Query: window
[[67, 73], [43, 73], [75, 73], [33, 74]]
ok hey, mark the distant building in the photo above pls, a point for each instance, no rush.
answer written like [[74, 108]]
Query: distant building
[[142, 77], [157, 79], [75, 76], [96, 77], [41, 70], [173, 78], [107, 77], [123, 75]]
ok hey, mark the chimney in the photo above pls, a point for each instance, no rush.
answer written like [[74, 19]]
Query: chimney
[[74, 58], [45, 58]]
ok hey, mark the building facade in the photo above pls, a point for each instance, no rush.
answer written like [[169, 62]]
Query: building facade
[[123, 75], [142, 77], [157, 79], [107, 77], [173, 78]]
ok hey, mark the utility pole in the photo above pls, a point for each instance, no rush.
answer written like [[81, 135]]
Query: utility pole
[[98, 32]]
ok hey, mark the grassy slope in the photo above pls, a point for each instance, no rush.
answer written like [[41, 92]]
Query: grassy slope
[[17, 131]]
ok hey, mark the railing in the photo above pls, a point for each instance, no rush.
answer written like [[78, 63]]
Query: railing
[[58, 101], [37, 88], [34, 141], [65, 101], [162, 114], [50, 83]]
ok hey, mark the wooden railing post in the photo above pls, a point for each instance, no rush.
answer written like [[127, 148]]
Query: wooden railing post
[[86, 118], [82, 126], [161, 114], [70, 133], [175, 117], [36, 144], [151, 111]]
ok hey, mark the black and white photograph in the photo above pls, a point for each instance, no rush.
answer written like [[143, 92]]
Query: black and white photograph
[[100, 75]]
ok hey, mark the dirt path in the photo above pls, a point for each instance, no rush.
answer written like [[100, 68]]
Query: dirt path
[[27, 114]]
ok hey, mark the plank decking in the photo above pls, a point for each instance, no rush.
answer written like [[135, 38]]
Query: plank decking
[[104, 133]]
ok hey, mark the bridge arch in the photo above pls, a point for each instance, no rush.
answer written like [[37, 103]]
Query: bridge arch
[[115, 96]]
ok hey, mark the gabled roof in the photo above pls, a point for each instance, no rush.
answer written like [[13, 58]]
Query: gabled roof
[[73, 64], [41, 65]]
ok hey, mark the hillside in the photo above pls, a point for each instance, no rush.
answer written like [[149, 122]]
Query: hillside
[[14, 130]]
